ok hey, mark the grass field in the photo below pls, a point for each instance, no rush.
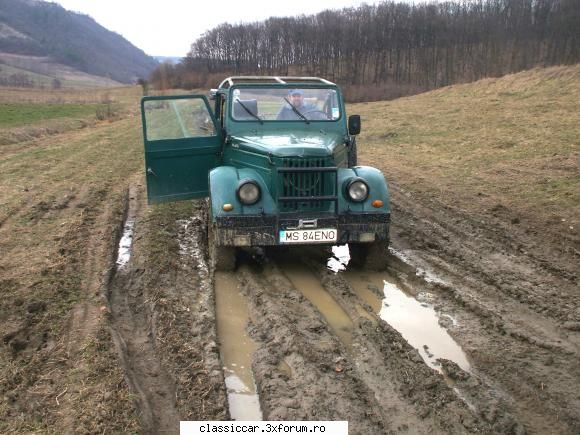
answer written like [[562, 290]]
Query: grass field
[[16, 115], [510, 144], [28, 114], [42, 71], [62, 201]]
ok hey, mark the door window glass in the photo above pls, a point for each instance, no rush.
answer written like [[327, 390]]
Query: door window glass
[[177, 119]]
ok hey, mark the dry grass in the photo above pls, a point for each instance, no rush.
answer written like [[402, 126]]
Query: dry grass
[[512, 142], [61, 205], [41, 71], [82, 108], [126, 94]]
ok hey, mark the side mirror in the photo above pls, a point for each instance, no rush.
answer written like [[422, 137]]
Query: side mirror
[[354, 125]]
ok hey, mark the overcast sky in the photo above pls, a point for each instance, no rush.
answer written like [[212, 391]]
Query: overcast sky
[[168, 27]]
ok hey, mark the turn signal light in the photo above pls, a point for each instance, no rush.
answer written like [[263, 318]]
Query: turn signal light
[[377, 203], [228, 207]]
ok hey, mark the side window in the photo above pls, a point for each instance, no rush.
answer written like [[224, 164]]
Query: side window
[[177, 119]]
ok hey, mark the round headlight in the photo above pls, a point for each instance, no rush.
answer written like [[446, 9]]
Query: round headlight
[[249, 192], [358, 190]]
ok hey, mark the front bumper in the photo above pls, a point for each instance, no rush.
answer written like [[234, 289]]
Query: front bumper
[[263, 230]]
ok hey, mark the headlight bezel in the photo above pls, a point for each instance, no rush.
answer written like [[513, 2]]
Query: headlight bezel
[[350, 183], [244, 183]]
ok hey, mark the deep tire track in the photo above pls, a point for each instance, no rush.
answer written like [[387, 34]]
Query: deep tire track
[[503, 297], [304, 370], [131, 329]]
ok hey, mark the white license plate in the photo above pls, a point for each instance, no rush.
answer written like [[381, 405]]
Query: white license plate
[[323, 235]]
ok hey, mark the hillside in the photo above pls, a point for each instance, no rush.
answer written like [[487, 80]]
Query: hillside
[[114, 321], [42, 72], [504, 151], [40, 30]]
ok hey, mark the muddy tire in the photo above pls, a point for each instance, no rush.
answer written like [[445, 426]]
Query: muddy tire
[[371, 256], [221, 258]]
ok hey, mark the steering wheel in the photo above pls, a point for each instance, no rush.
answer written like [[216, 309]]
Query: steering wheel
[[320, 112]]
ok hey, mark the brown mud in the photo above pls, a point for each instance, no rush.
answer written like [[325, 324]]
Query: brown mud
[[111, 321], [322, 347], [58, 367], [515, 298]]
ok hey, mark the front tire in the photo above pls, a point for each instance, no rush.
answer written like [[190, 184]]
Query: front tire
[[371, 256], [221, 258]]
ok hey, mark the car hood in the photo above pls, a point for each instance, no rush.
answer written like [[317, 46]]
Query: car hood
[[291, 144]]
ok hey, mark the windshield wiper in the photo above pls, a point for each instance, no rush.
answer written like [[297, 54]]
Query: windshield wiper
[[296, 111], [249, 111]]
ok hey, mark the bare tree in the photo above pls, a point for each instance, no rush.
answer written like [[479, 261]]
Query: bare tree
[[391, 45]]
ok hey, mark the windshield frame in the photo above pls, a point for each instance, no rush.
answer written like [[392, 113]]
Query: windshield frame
[[288, 86]]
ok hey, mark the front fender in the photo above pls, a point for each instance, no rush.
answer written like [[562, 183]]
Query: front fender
[[223, 184], [378, 189]]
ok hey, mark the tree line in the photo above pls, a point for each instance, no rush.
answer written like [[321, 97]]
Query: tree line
[[391, 48]]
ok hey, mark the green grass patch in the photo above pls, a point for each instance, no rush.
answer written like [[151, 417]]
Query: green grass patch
[[17, 115]]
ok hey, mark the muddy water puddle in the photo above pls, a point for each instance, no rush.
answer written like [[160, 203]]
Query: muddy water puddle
[[236, 349], [310, 286], [415, 319], [126, 243]]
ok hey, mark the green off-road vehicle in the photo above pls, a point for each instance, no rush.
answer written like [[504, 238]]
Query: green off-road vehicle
[[277, 159]]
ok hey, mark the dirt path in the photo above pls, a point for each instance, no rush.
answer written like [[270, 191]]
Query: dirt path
[[516, 306], [91, 345], [134, 340], [163, 317], [322, 346], [322, 343]]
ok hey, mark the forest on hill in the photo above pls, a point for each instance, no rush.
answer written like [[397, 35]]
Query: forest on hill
[[391, 48], [42, 29]]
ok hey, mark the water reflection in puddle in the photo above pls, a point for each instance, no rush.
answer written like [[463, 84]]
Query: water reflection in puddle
[[243, 402], [416, 320], [125, 244], [236, 349], [339, 259]]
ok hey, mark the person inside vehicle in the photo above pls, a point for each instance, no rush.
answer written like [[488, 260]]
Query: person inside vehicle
[[295, 106]]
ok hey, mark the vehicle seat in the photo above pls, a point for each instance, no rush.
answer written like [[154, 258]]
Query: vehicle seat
[[241, 114]]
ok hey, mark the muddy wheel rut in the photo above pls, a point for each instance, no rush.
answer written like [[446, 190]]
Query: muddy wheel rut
[[131, 328], [323, 353], [162, 318], [301, 335], [515, 308]]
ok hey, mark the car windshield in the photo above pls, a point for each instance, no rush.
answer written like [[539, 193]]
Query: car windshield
[[284, 104]]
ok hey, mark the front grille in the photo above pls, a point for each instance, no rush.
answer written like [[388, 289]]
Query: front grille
[[250, 221], [302, 180], [365, 218], [321, 223]]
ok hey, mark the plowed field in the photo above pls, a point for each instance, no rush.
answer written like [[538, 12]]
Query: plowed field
[[111, 320]]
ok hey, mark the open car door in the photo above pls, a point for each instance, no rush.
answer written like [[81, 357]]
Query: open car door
[[182, 144]]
